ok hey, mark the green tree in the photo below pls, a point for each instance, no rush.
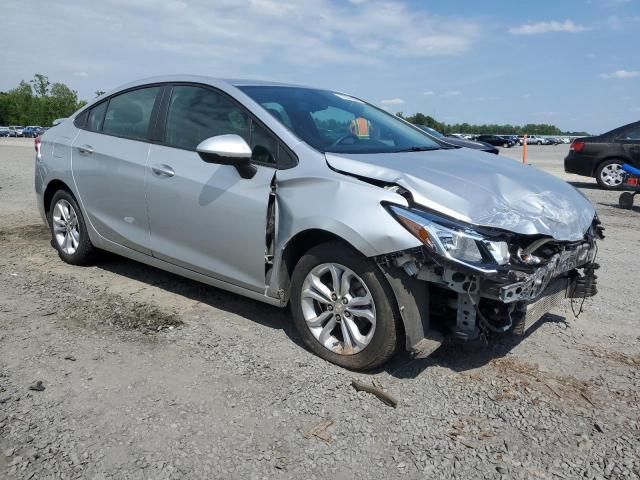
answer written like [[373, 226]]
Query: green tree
[[40, 84]]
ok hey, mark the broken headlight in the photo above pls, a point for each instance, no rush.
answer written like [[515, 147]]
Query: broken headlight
[[452, 240]]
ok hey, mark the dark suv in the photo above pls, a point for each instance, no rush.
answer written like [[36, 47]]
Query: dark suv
[[496, 140], [602, 156]]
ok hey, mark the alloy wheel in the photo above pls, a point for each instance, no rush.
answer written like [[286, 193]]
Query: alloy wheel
[[338, 308], [611, 174], [65, 227]]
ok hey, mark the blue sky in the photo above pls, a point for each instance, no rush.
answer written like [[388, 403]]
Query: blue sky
[[572, 63]]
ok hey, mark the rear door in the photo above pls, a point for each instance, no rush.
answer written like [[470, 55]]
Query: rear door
[[630, 141], [204, 216], [109, 159]]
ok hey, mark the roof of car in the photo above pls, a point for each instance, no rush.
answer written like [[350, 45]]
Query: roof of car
[[235, 82]]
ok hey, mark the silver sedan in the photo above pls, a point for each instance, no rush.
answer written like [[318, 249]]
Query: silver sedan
[[378, 236]]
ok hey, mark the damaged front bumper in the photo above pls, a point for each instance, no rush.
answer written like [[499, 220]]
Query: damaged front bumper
[[438, 298]]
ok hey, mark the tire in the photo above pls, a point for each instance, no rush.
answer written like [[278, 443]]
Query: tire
[[84, 252], [538, 142], [383, 342], [606, 176], [626, 200]]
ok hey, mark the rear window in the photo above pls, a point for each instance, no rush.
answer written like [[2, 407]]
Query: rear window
[[128, 115]]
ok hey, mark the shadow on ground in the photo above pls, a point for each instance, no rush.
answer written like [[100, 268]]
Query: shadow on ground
[[454, 356], [463, 357], [589, 185], [253, 310]]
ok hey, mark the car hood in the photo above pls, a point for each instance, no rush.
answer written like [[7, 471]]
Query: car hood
[[480, 188]]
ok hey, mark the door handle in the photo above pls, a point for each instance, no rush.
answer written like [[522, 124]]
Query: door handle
[[162, 170], [85, 149]]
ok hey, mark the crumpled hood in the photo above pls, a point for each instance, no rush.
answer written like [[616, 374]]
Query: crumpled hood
[[481, 189]]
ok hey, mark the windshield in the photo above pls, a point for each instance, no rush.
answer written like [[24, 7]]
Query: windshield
[[338, 123]]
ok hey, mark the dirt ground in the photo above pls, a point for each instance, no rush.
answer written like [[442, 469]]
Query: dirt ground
[[149, 375]]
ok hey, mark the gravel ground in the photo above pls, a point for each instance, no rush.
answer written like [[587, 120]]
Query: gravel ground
[[148, 375]]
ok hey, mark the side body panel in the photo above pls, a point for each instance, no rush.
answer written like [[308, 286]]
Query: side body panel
[[207, 218], [111, 185], [54, 162]]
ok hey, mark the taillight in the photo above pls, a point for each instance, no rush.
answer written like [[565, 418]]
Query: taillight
[[36, 141], [577, 145]]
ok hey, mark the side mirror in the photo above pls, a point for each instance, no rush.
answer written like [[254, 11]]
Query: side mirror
[[228, 150]]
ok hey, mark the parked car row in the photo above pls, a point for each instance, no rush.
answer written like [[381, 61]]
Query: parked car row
[[516, 139], [31, 131]]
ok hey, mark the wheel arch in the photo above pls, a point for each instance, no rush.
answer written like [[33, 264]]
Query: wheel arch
[[52, 187], [596, 165], [296, 247]]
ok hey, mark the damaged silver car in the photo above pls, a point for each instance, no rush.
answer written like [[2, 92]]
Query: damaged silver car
[[377, 236]]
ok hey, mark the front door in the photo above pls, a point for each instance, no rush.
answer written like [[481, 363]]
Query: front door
[[204, 216], [631, 144]]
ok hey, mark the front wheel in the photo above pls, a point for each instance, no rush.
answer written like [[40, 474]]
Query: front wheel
[[343, 307]]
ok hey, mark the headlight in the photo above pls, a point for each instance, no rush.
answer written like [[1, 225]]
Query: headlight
[[444, 238]]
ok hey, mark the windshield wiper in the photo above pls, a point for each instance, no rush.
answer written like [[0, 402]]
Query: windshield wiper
[[417, 149]]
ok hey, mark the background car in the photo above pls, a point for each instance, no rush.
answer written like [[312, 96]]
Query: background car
[[32, 131], [460, 142], [496, 140], [4, 131], [16, 131], [602, 156], [535, 140]]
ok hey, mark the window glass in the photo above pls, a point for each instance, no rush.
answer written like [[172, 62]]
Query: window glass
[[285, 158], [96, 117], [264, 146], [278, 111], [633, 134], [196, 114], [334, 122], [128, 115]]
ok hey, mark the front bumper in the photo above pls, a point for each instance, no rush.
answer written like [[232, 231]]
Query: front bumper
[[437, 299]]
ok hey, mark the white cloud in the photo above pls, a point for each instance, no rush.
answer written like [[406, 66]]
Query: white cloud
[[621, 74], [429, 92], [80, 74], [452, 93], [546, 27], [392, 101]]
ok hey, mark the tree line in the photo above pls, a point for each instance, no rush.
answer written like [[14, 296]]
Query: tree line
[[38, 102], [446, 128]]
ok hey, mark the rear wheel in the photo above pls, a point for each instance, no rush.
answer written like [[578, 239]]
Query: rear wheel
[[68, 230], [609, 174], [343, 307]]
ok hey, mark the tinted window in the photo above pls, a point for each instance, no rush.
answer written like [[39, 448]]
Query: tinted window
[[196, 114], [264, 146], [633, 134], [334, 122], [128, 115], [96, 117]]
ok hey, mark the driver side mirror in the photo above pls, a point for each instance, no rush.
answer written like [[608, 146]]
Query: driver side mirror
[[228, 150]]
